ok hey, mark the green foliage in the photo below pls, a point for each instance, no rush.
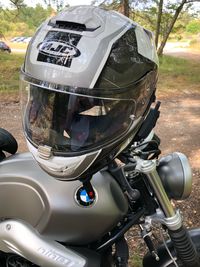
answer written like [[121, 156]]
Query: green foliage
[[145, 13], [147, 17], [34, 16], [135, 260], [57, 4], [9, 71], [193, 26], [22, 22], [25, 20]]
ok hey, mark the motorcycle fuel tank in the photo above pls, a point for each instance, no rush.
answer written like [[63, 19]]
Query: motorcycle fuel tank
[[53, 207]]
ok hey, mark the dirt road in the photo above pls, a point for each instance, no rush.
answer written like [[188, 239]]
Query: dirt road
[[179, 126], [181, 49]]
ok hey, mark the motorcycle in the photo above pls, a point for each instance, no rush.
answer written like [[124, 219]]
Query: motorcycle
[[51, 223]]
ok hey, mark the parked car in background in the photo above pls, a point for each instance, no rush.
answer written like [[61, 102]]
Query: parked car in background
[[22, 39], [14, 39], [4, 47], [27, 40]]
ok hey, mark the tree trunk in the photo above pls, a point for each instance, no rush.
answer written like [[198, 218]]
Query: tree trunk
[[160, 8], [165, 38], [125, 7], [2, 36]]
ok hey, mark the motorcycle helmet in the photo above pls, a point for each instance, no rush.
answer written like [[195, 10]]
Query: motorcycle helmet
[[87, 83]]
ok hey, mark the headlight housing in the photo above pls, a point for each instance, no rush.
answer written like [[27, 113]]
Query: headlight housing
[[176, 175]]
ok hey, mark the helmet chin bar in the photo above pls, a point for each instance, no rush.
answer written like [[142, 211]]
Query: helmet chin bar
[[67, 170], [62, 168]]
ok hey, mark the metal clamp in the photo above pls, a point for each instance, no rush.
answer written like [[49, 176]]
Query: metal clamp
[[173, 223]]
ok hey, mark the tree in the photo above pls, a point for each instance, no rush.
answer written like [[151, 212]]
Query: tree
[[33, 17], [57, 4], [17, 3], [122, 6], [159, 17], [193, 26], [125, 7], [2, 35], [23, 22], [178, 8]]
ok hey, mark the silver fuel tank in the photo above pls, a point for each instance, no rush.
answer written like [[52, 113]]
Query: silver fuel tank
[[49, 205]]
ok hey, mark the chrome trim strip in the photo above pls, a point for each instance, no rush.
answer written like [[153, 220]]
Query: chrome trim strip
[[97, 93], [187, 174]]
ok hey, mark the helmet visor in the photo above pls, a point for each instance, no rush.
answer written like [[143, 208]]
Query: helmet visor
[[74, 122]]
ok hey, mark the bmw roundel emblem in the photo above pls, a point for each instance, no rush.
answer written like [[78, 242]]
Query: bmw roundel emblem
[[85, 199]]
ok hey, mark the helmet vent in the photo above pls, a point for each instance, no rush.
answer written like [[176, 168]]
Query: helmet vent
[[72, 26]]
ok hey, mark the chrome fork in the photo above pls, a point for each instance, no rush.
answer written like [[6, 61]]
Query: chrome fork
[[168, 216]]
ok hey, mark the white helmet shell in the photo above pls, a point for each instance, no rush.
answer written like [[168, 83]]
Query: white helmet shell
[[103, 28], [87, 82]]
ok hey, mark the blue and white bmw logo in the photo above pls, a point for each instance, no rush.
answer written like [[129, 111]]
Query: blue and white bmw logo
[[85, 198]]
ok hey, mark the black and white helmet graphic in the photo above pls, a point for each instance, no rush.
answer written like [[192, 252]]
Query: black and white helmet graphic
[[87, 83]]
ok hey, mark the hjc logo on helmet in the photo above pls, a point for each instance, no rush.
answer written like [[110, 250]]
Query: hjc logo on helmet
[[58, 49]]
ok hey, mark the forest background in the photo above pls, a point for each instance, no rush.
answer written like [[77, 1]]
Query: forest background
[[174, 20]]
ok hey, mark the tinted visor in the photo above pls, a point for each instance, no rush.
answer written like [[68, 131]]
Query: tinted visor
[[75, 122]]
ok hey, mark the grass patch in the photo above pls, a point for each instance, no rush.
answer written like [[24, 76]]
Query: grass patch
[[9, 71], [17, 45], [135, 260], [180, 67], [178, 75]]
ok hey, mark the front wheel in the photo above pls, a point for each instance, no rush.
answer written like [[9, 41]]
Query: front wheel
[[165, 260]]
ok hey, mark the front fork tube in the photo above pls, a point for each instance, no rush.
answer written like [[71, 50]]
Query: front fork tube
[[172, 219]]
